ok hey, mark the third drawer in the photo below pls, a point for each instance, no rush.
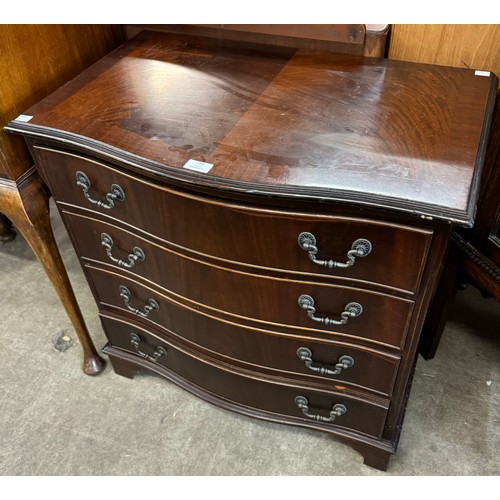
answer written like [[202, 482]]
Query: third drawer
[[327, 362]]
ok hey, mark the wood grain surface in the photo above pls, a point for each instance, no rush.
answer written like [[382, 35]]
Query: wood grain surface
[[267, 239], [249, 388], [36, 59], [473, 46], [283, 136], [275, 353], [265, 302], [318, 125], [347, 38]]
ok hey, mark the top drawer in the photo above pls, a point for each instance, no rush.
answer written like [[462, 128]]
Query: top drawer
[[262, 238]]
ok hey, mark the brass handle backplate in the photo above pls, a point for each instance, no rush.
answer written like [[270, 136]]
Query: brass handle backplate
[[152, 305], [116, 194], [351, 310], [135, 340], [137, 253], [343, 363], [360, 248], [337, 410]]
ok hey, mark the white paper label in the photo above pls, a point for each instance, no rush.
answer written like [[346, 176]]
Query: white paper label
[[23, 118], [482, 73], [198, 166]]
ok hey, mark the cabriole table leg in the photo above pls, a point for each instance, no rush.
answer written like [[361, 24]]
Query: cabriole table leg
[[26, 205]]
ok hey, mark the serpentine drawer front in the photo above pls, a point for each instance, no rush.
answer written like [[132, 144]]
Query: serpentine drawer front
[[265, 226], [274, 304], [254, 394], [267, 238]]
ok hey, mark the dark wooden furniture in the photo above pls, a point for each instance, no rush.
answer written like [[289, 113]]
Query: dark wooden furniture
[[473, 46], [265, 226], [358, 39], [35, 60], [474, 253], [473, 257]]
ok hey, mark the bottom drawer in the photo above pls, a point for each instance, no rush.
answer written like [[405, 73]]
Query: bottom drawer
[[243, 390]]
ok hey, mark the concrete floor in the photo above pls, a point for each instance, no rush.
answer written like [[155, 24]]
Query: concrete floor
[[54, 420]]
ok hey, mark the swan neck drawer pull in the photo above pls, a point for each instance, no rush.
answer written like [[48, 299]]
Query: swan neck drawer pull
[[152, 305], [360, 248], [116, 193], [137, 253], [351, 310], [135, 340], [305, 355], [337, 410]]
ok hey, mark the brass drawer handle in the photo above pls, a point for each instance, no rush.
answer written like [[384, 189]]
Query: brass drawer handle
[[135, 340], [137, 253], [351, 310], [337, 410], [343, 363], [116, 193], [152, 305], [360, 248]]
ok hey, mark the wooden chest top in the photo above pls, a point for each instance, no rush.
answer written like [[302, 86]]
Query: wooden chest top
[[280, 121]]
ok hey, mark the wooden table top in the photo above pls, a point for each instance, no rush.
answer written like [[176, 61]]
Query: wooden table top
[[403, 136]]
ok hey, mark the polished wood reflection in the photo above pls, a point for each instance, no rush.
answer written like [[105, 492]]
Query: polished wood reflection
[[281, 119]]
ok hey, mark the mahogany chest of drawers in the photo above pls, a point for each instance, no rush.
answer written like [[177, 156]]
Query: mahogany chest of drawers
[[265, 226]]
